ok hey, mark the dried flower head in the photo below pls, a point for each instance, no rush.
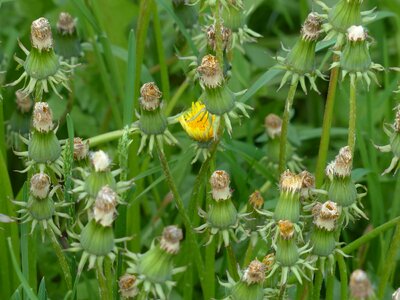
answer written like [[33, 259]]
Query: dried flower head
[[273, 125], [307, 180], [42, 117], [65, 23], [23, 100], [150, 96], [268, 261], [128, 286], [396, 125], [342, 164], [171, 237], [220, 185], [356, 33], [256, 200], [40, 185], [255, 272], [286, 229], [104, 206], [290, 182], [360, 286], [325, 215], [210, 71], [311, 28], [41, 36], [100, 161], [198, 123], [81, 148]]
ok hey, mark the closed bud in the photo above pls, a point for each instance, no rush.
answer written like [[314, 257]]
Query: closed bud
[[105, 206], [210, 72], [128, 286], [42, 117], [40, 185], [220, 185], [288, 206], [360, 286], [23, 100], [41, 36], [273, 125], [65, 23], [170, 240]]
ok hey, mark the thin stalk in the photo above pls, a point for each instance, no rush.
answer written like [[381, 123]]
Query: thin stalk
[[103, 287], [232, 263], [248, 255], [161, 53], [105, 138], [352, 117], [326, 125], [285, 123], [390, 262], [218, 35], [61, 258], [343, 277], [370, 235], [185, 218], [330, 285]]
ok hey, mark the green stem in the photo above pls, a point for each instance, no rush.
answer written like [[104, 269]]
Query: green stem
[[330, 285], [319, 278], [285, 123], [352, 117], [343, 277], [218, 35], [390, 262], [185, 218], [370, 235], [105, 137], [103, 287], [232, 263], [61, 258], [161, 54], [326, 125], [248, 255]]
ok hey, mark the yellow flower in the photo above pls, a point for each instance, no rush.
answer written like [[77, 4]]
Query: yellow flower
[[197, 123]]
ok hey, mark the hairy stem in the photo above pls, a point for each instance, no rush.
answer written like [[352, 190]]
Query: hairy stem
[[285, 123]]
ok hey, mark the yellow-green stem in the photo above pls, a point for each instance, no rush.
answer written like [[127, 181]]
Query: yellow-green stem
[[343, 277], [103, 287], [232, 263], [285, 123]]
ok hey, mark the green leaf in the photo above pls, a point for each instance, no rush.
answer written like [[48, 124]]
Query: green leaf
[[42, 294]]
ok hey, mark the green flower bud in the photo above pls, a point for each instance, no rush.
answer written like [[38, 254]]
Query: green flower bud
[[287, 253], [251, 284], [41, 209], [101, 176], [222, 214], [96, 239], [288, 206], [356, 57], [67, 43]]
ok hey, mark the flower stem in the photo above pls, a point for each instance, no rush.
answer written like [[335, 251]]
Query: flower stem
[[285, 123], [326, 125], [232, 263], [185, 218], [218, 35], [390, 262], [352, 117], [61, 258], [370, 235], [343, 277], [318, 282], [330, 284]]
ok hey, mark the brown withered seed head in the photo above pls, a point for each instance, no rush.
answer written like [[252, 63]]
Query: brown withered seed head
[[150, 96], [41, 36], [286, 229], [360, 286], [256, 200], [40, 185], [81, 148], [255, 272], [170, 240], [42, 117], [312, 27], [127, 286]]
